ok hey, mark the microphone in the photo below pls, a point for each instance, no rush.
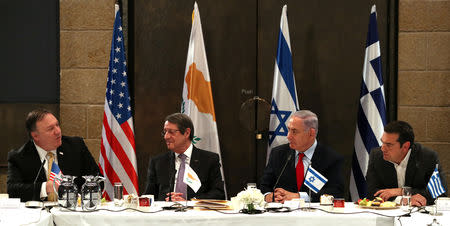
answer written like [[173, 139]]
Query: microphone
[[172, 171], [279, 176], [171, 184], [33, 203]]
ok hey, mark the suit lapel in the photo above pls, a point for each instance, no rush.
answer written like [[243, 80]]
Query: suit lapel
[[61, 159], [195, 165], [195, 160], [390, 174], [31, 153], [411, 168], [315, 160]]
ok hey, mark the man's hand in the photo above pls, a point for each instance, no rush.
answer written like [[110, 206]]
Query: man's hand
[[386, 194], [175, 196], [418, 200], [282, 195], [268, 197]]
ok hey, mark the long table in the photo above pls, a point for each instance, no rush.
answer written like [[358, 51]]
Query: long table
[[350, 215], [25, 216]]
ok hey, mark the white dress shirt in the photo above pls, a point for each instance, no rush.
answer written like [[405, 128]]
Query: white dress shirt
[[306, 163], [401, 173]]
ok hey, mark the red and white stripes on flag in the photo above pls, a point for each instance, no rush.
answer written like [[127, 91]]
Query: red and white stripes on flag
[[117, 160]]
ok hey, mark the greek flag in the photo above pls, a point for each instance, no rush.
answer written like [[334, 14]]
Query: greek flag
[[314, 180], [371, 111], [284, 93], [434, 185]]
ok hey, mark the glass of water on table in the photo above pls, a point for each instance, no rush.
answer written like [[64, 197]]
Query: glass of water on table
[[406, 198]]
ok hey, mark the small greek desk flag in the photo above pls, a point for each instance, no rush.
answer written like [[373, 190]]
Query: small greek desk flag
[[434, 185], [314, 180]]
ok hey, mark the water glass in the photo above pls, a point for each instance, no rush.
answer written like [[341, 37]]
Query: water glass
[[406, 198], [118, 194]]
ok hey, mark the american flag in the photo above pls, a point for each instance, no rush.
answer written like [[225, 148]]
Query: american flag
[[118, 156], [55, 174], [371, 111]]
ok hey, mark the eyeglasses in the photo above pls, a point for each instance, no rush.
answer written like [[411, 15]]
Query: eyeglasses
[[171, 132]]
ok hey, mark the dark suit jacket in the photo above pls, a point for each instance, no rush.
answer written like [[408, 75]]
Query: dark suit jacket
[[422, 161], [206, 164], [326, 161], [74, 159]]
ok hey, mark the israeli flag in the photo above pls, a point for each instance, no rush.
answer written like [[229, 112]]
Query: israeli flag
[[284, 93], [371, 112], [435, 186], [314, 180]]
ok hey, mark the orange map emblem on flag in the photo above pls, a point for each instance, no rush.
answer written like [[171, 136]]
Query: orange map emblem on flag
[[199, 90]]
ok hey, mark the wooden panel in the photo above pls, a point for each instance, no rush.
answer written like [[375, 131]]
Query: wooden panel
[[328, 41], [161, 37], [328, 45]]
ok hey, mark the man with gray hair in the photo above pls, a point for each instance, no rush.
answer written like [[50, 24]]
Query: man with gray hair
[[301, 152]]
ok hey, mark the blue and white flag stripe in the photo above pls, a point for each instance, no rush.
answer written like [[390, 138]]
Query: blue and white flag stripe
[[314, 180], [371, 111], [435, 186], [284, 93]]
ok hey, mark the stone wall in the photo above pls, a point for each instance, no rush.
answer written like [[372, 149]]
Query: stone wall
[[424, 72], [86, 32]]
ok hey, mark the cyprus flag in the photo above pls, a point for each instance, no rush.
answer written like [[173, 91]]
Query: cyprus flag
[[197, 96]]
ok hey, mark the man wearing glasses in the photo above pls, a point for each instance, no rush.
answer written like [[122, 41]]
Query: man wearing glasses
[[166, 171], [302, 151], [400, 162]]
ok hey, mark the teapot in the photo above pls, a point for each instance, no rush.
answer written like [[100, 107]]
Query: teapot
[[67, 192], [91, 192]]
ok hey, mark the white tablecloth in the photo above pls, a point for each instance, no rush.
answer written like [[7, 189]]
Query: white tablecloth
[[212, 218], [25, 216]]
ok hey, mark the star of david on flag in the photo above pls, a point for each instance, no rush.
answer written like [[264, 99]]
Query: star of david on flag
[[284, 93], [55, 174], [314, 180]]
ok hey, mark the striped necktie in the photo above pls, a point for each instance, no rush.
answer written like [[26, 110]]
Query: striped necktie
[[51, 157]]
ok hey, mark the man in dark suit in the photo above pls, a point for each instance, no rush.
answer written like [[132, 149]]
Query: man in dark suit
[[400, 162], [69, 153], [165, 171], [305, 152]]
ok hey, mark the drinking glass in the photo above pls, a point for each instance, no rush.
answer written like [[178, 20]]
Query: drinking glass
[[118, 194], [406, 198]]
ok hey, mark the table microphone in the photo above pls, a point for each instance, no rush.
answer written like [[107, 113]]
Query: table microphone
[[33, 203], [279, 176], [171, 183]]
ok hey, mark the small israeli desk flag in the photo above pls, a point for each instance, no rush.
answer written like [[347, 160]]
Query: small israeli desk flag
[[314, 180]]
